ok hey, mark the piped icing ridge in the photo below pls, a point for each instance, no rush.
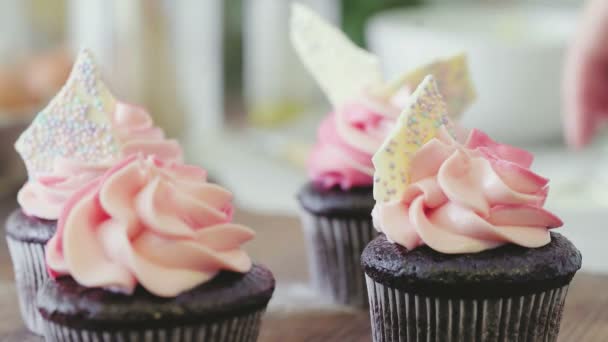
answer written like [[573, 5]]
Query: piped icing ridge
[[78, 136], [342, 155], [456, 195], [365, 105], [150, 222]]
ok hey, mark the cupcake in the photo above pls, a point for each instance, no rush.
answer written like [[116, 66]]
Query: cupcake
[[466, 252], [148, 252], [75, 139], [337, 201]]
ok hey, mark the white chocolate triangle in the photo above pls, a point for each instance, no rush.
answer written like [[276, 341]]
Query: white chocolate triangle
[[342, 69], [420, 121], [453, 80], [77, 123]]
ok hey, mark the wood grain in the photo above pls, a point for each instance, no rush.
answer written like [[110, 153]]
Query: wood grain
[[296, 315]]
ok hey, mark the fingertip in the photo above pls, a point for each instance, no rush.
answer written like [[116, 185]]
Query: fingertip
[[579, 129], [576, 142], [577, 118]]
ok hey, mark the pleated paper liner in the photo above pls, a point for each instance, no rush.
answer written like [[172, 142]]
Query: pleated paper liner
[[398, 316], [244, 328], [334, 248], [30, 274]]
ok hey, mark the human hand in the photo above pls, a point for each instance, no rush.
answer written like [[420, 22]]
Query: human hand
[[585, 84]]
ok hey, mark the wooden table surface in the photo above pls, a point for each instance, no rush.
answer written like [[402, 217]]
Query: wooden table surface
[[296, 314]]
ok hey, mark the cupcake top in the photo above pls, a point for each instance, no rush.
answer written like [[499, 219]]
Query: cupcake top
[[455, 191], [365, 106], [78, 136], [228, 295], [146, 221], [505, 271]]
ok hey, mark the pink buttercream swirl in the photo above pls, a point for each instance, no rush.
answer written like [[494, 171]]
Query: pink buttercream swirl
[[468, 197], [45, 196], [149, 222], [347, 139]]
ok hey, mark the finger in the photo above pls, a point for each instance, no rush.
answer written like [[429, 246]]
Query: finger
[[578, 121], [585, 83]]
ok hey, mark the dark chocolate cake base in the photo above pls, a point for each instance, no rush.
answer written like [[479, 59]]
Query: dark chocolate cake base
[[337, 225], [504, 271], [227, 308], [505, 294], [26, 238], [21, 227], [335, 202]]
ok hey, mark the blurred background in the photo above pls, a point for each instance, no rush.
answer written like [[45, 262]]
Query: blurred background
[[221, 76]]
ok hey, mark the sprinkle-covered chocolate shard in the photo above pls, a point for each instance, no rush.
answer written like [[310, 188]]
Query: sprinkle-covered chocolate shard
[[423, 116], [342, 69], [77, 123], [453, 81]]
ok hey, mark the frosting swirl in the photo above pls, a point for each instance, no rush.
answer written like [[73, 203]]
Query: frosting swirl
[[468, 197], [152, 222], [46, 195], [347, 139]]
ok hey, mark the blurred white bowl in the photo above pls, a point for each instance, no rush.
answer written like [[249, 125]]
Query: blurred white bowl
[[515, 54]]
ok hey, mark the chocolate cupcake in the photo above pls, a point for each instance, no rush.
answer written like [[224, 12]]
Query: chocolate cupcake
[[510, 293], [500, 272], [337, 202], [467, 253], [148, 251], [337, 226], [71, 142], [26, 237]]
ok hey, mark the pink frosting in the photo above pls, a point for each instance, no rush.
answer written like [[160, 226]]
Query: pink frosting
[[347, 139], [148, 222], [469, 197], [45, 196]]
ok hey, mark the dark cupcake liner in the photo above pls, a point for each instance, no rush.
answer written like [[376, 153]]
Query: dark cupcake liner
[[398, 316], [335, 245], [238, 329], [30, 273]]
